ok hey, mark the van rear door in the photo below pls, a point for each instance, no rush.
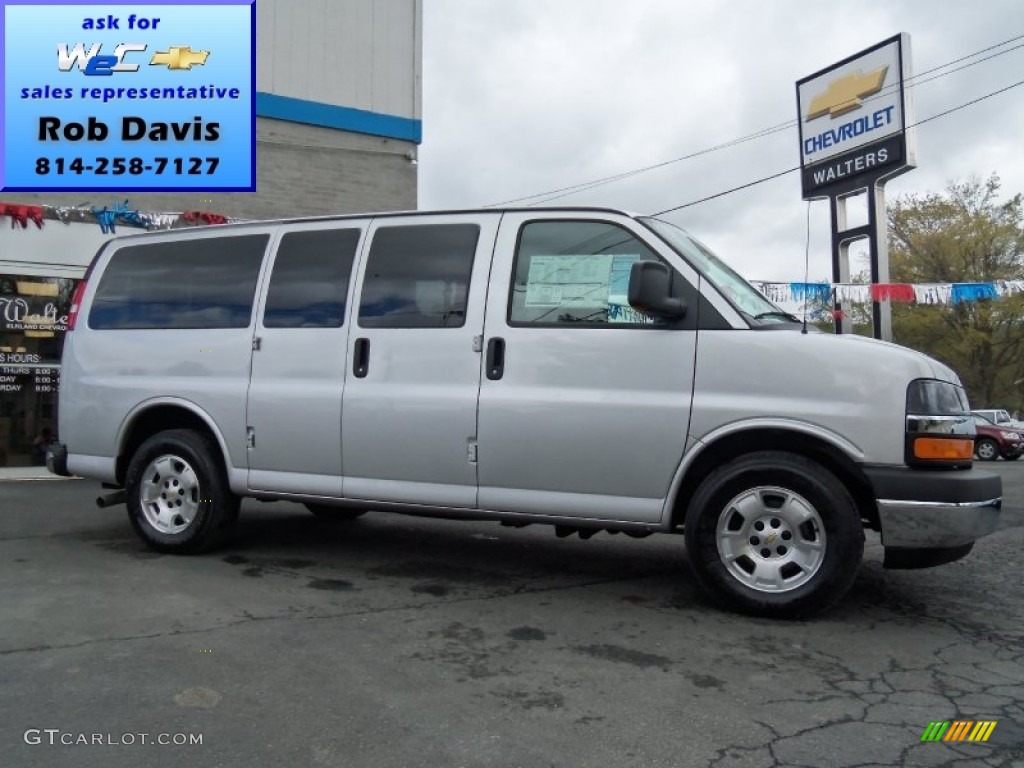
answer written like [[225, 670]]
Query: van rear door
[[414, 375], [299, 361]]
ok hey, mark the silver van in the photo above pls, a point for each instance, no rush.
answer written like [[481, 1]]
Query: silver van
[[585, 368]]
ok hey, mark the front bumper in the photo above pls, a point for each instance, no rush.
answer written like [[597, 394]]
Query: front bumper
[[57, 459], [920, 509]]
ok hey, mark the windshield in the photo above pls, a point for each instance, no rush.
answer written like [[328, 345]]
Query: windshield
[[745, 296]]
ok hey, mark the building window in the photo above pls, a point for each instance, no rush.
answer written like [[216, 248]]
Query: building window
[[33, 320]]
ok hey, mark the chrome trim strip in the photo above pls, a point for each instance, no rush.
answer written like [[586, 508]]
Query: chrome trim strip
[[939, 417], [942, 504], [952, 426], [912, 524]]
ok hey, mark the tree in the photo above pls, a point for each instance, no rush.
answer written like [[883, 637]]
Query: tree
[[963, 235]]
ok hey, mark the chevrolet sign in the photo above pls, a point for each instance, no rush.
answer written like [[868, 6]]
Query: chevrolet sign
[[845, 93], [849, 113]]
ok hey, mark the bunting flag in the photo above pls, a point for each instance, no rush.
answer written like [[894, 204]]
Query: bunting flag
[[892, 292], [109, 216], [863, 293], [21, 215], [857, 293], [202, 217], [811, 291], [933, 293], [1004, 287], [973, 292]]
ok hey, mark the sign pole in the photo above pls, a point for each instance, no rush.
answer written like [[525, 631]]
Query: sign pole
[[881, 311], [840, 261]]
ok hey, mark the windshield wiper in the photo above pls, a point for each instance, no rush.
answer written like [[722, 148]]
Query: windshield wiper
[[776, 313]]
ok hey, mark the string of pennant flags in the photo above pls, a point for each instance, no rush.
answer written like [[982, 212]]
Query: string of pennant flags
[[908, 293], [120, 213], [108, 217]]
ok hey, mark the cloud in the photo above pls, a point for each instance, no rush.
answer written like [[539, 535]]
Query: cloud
[[525, 97]]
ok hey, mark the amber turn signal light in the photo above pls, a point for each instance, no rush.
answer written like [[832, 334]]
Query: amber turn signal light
[[943, 449]]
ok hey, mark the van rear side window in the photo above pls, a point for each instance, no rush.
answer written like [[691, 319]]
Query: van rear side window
[[418, 277], [309, 284], [202, 283]]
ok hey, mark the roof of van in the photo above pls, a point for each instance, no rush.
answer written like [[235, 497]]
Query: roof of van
[[382, 215]]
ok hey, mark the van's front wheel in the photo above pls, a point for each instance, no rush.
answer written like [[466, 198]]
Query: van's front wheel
[[177, 493], [774, 534]]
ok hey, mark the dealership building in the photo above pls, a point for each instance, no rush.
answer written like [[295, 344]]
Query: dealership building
[[338, 126]]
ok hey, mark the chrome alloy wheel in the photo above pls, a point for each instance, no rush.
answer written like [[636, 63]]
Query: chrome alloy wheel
[[169, 494], [986, 450], [771, 539]]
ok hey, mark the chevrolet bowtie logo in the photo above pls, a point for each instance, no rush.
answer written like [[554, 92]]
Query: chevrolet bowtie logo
[[845, 94], [180, 57]]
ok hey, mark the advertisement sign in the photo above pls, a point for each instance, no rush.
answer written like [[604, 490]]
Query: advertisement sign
[[105, 96], [855, 119], [35, 314]]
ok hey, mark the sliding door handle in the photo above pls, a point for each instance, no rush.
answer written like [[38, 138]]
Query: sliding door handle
[[361, 358], [495, 358]]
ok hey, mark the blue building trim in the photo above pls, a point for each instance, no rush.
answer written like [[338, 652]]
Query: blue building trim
[[342, 118]]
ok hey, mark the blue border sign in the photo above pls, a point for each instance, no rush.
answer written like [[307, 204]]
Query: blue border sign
[[145, 96]]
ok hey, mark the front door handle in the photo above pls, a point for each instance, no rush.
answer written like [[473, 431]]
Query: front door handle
[[361, 358], [495, 358]]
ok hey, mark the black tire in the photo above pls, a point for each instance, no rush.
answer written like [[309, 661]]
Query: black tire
[[1011, 456], [333, 514], [177, 493], [986, 449], [813, 558]]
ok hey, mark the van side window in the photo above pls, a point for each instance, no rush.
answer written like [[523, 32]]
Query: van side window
[[309, 284], [418, 277], [203, 282], [575, 272]]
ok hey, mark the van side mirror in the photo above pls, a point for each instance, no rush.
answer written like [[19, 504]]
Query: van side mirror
[[650, 290]]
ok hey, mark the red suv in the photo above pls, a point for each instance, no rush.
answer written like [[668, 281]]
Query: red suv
[[994, 441]]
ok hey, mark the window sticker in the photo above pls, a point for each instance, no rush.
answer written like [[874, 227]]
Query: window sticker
[[568, 280]]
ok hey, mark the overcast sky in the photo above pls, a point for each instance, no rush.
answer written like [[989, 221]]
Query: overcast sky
[[525, 96]]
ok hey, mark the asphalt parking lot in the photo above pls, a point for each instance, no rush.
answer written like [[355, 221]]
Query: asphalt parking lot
[[397, 641]]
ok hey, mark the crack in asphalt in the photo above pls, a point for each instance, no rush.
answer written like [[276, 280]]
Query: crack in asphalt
[[784, 747]]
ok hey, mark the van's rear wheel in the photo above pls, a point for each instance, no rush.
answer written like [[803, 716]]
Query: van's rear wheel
[[334, 514], [774, 534], [177, 492]]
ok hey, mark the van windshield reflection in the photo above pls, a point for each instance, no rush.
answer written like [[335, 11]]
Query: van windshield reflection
[[730, 284]]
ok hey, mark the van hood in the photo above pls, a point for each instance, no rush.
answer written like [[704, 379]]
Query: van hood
[[841, 385], [886, 349]]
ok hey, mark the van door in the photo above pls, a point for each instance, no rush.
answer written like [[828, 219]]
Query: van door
[[585, 406], [299, 362], [414, 375]]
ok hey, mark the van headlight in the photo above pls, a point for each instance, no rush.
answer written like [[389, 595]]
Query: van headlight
[[940, 429]]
